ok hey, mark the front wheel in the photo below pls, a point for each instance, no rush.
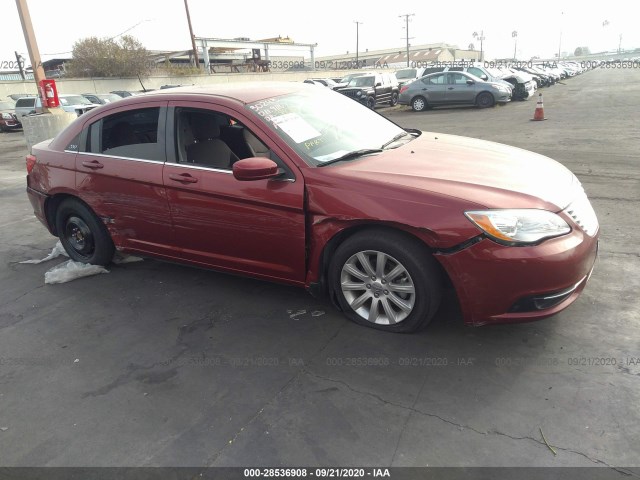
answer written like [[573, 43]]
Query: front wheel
[[82, 234], [419, 104], [386, 280], [485, 100], [371, 103]]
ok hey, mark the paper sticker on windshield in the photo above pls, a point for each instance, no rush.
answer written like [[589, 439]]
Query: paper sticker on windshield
[[296, 127]]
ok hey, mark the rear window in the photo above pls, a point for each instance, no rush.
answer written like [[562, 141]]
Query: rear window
[[26, 102]]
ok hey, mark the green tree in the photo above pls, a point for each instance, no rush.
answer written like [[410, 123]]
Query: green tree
[[106, 57]]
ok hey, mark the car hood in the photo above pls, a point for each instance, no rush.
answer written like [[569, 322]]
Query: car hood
[[485, 173]]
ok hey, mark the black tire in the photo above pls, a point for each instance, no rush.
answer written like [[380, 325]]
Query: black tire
[[419, 104], [485, 100], [82, 233], [371, 102], [410, 297], [394, 99]]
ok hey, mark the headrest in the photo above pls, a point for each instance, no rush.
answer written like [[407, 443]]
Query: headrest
[[204, 126]]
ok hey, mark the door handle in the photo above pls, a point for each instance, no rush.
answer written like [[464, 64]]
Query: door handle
[[183, 177], [94, 164], [450, 88], [425, 89]]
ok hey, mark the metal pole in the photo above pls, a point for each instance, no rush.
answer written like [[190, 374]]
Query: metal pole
[[357, 40], [193, 39], [32, 46]]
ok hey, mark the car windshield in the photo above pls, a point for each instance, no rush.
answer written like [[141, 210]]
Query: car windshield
[[74, 100], [494, 72], [361, 82], [7, 105], [409, 73], [324, 125]]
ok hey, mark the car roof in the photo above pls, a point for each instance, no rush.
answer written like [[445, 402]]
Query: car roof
[[245, 92]]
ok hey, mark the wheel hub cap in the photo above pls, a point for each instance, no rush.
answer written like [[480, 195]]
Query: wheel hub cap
[[377, 287]]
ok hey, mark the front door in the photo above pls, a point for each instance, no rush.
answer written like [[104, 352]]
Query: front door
[[255, 227]]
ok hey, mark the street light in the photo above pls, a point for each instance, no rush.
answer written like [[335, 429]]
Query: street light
[[514, 35], [357, 39], [481, 38]]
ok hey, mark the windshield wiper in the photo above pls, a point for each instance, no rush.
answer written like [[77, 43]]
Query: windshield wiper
[[350, 155], [396, 138]]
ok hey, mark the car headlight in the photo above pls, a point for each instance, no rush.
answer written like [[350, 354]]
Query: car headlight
[[7, 116], [518, 226]]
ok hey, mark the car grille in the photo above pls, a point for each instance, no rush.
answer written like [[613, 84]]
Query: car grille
[[582, 213]]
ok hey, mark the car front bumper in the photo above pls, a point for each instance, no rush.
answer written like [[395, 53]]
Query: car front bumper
[[501, 284]]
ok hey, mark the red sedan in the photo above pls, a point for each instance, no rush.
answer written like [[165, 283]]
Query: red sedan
[[295, 184]]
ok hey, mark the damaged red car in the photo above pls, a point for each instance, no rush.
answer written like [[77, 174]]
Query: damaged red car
[[300, 185]]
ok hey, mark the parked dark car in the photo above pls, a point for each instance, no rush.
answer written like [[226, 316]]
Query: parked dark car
[[297, 184], [8, 118], [101, 98], [373, 89], [452, 88]]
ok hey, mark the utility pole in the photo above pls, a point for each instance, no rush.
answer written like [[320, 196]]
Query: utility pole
[[514, 34], [406, 19], [357, 40], [32, 46], [193, 38]]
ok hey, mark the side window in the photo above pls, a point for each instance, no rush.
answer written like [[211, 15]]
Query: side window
[[475, 71], [130, 134], [208, 138], [435, 80], [456, 69], [429, 70], [457, 79]]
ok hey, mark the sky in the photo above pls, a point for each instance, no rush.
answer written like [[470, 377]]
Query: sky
[[542, 27]]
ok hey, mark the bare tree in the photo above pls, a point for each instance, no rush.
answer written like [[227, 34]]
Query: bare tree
[[106, 57]]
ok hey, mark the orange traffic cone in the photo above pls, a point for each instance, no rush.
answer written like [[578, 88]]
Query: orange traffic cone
[[539, 113]]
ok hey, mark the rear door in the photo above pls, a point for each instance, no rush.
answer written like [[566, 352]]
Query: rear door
[[119, 175], [435, 88], [255, 227]]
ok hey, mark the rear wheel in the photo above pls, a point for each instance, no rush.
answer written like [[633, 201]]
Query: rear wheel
[[386, 280], [419, 104], [82, 234], [485, 100], [394, 99]]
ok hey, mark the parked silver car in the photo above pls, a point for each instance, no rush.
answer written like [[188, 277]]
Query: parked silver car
[[68, 102], [452, 88]]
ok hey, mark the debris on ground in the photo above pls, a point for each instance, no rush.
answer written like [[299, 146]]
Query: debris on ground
[[71, 270], [57, 251]]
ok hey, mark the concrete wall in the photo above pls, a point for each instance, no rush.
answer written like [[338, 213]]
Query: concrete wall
[[104, 85], [38, 128]]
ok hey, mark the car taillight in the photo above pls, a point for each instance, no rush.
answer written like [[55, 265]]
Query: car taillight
[[403, 88], [31, 161]]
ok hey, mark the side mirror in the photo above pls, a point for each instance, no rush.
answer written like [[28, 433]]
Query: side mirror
[[470, 82], [378, 84], [484, 77], [255, 168]]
